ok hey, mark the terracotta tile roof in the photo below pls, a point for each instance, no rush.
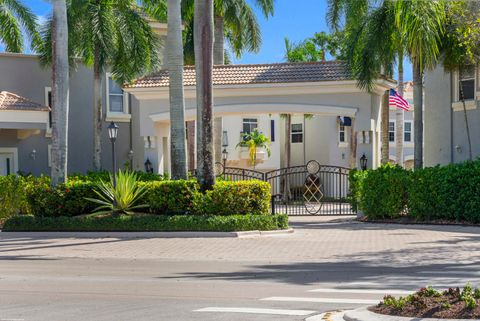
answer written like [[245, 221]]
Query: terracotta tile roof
[[256, 74], [10, 101]]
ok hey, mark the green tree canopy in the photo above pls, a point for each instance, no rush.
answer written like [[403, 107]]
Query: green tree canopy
[[316, 48]]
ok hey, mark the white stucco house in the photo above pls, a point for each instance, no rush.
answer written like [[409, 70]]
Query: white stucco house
[[255, 96]]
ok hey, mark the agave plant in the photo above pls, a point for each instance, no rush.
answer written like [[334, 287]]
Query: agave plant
[[120, 197], [253, 140]]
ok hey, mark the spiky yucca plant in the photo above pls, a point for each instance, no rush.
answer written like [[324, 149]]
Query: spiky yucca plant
[[122, 197]]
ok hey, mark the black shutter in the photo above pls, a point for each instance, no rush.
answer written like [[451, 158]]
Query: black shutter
[[272, 130]]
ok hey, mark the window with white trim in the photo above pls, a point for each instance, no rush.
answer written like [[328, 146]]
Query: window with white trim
[[407, 132], [467, 83], [249, 124], [115, 97], [391, 131], [297, 133], [342, 134]]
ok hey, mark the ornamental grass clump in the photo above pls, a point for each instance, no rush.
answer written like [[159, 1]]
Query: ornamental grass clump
[[121, 197]]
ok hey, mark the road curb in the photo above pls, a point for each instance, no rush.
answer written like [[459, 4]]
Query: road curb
[[140, 235], [327, 316], [363, 314]]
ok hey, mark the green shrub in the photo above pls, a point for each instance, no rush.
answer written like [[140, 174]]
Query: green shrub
[[13, 199], [243, 197], [148, 223], [356, 178], [380, 193], [67, 199], [171, 197], [96, 176], [446, 193]]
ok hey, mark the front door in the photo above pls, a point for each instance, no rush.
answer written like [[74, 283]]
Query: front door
[[6, 164]]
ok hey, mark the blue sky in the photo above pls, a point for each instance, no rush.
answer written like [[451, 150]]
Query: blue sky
[[294, 19]]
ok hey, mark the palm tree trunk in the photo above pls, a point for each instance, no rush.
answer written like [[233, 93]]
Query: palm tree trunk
[[399, 116], [97, 111], [384, 127], [467, 128], [60, 80], [219, 43], [203, 42], [418, 113], [177, 100]]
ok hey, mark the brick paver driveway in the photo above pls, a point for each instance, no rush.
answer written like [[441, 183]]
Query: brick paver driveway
[[316, 239]]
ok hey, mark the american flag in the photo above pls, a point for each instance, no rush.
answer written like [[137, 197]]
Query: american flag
[[397, 101]]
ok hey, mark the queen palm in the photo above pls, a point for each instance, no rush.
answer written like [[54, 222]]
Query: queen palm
[[235, 21], [422, 25], [110, 35], [203, 40], [14, 17], [370, 46], [60, 77]]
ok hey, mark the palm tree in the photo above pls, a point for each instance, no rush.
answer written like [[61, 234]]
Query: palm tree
[[422, 25], [254, 140], [203, 39], [369, 47], [60, 80], [174, 50], [14, 17], [235, 21], [108, 35]]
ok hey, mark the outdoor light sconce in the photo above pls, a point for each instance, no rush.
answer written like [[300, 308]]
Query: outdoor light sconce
[[148, 166], [33, 154], [458, 148], [225, 139], [363, 162]]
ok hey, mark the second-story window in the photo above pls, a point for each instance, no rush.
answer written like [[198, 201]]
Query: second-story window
[[115, 97], [249, 124], [467, 84], [342, 138]]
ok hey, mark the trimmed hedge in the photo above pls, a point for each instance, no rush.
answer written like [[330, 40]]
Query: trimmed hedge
[[147, 223], [13, 195], [161, 197], [447, 193]]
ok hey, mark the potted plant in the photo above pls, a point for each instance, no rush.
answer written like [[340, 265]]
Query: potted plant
[[254, 140]]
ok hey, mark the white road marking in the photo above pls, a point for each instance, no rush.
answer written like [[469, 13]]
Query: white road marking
[[319, 300], [362, 291], [256, 311]]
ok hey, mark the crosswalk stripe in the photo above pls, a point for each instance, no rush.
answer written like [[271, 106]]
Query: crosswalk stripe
[[362, 291], [257, 311], [319, 300]]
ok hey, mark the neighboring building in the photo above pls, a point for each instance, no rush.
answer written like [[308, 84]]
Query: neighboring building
[[444, 121], [25, 121], [407, 129], [255, 96]]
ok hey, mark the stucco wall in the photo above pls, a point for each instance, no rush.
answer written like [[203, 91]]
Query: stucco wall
[[22, 75]]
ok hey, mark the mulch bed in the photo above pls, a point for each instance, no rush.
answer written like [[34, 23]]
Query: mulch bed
[[428, 303]]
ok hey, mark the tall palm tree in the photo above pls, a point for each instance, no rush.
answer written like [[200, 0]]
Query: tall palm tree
[[203, 38], [422, 24], [370, 48], [234, 21], [60, 80], [399, 113], [174, 51], [13, 16], [108, 35]]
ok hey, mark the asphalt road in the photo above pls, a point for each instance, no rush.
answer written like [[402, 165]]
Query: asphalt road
[[55, 288]]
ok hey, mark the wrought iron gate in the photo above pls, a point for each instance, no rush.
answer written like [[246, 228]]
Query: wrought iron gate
[[310, 189]]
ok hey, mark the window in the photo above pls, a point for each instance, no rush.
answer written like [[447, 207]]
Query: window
[[297, 133], [115, 97], [467, 84], [342, 138], [407, 129], [249, 124], [391, 131], [49, 103]]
